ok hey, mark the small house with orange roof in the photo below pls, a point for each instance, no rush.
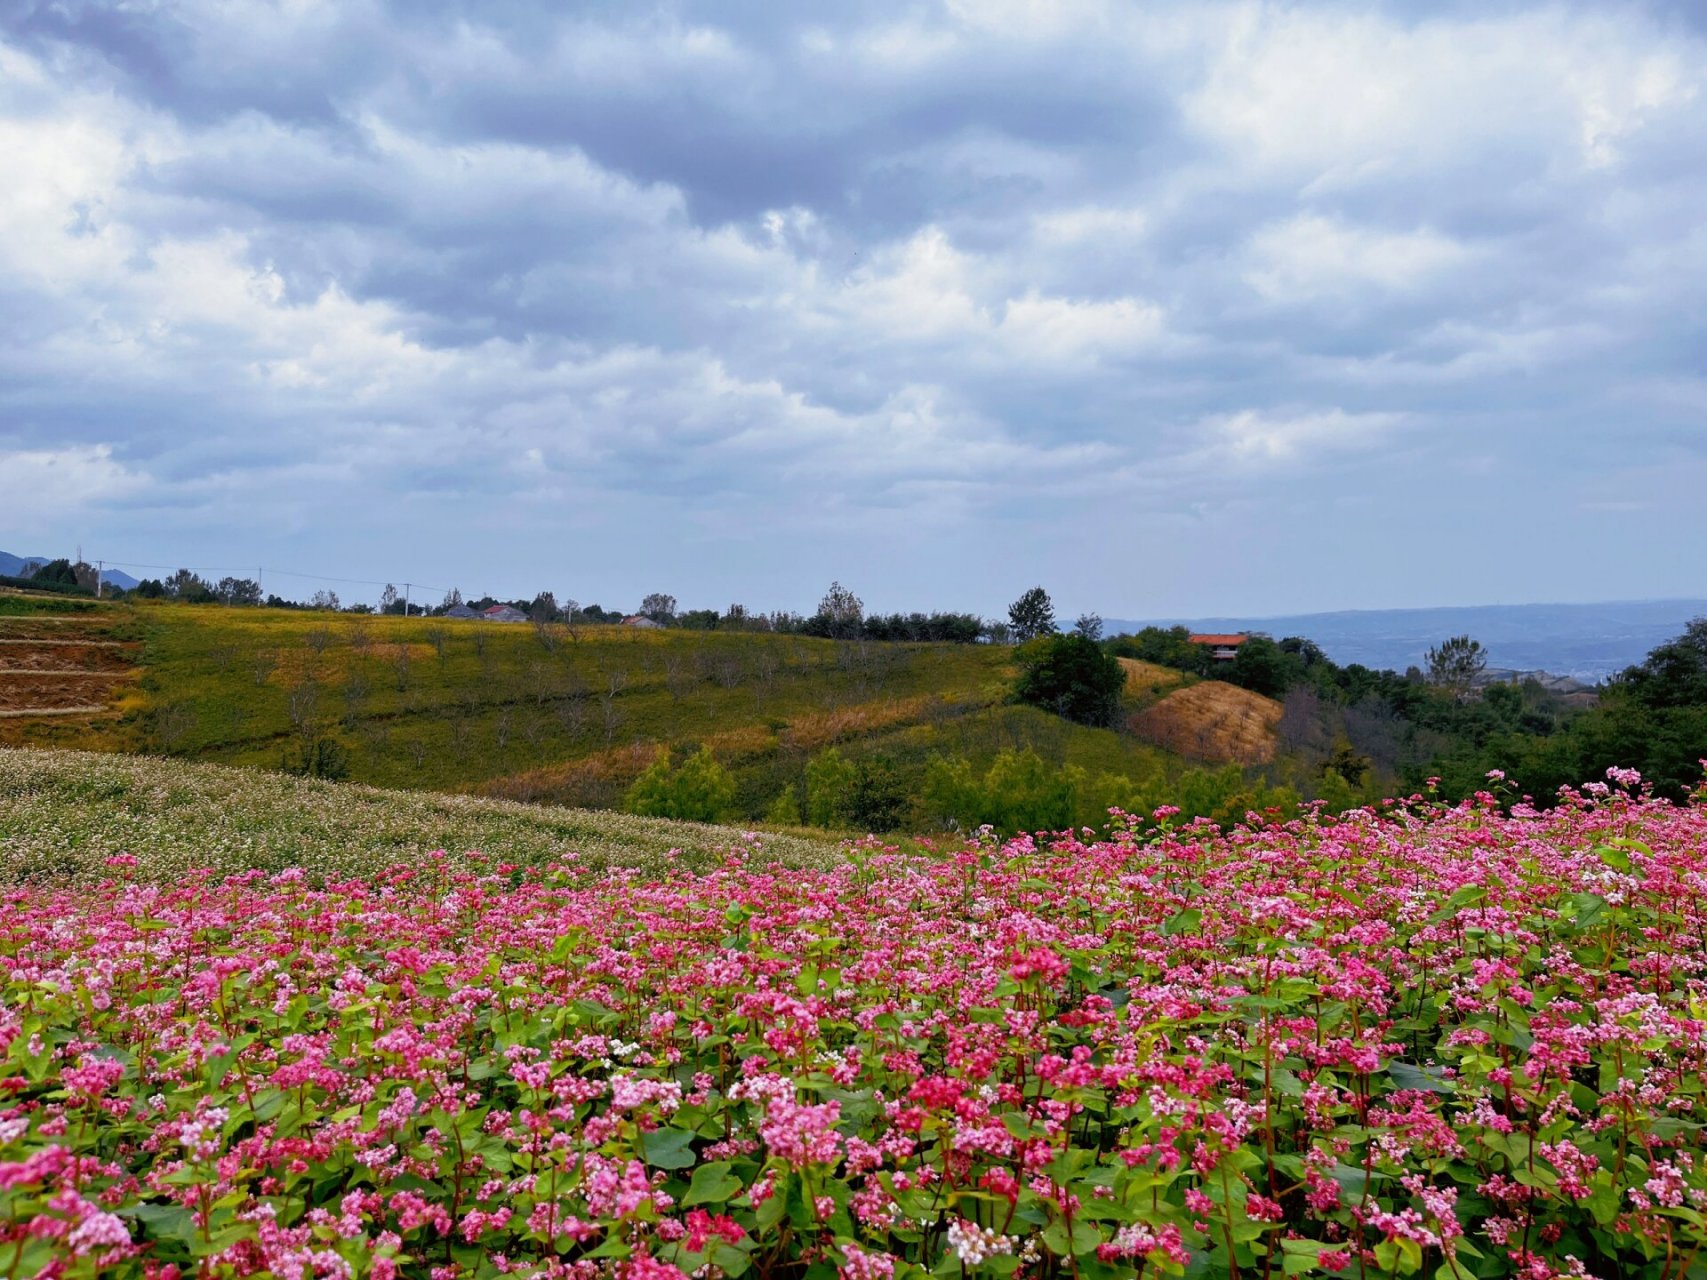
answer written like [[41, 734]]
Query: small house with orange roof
[[1223, 648]]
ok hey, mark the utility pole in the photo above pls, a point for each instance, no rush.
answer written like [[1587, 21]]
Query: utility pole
[[260, 592], [405, 599]]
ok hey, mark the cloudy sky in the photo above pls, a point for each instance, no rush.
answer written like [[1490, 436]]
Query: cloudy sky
[[1210, 308]]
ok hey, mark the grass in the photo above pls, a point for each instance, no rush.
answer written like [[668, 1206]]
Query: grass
[[446, 705], [64, 813], [1147, 681], [514, 712], [16, 603]]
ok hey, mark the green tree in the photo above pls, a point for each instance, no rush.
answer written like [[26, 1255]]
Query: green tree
[[55, 571], [877, 799], [1454, 664], [1673, 674], [701, 790], [1032, 615], [841, 613], [238, 591], [188, 587], [1262, 666], [1023, 792], [1071, 676], [829, 783], [319, 756], [785, 809], [951, 795]]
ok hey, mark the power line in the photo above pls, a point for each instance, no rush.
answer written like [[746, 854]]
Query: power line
[[359, 582], [284, 573]]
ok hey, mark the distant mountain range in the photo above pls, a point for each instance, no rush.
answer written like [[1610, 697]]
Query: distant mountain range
[[12, 566], [1587, 641]]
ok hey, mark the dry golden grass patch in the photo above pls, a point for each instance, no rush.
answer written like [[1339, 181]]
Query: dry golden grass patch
[[821, 728], [334, 663], [743, 743], [1212, 720], [617, 765], [622, 765]]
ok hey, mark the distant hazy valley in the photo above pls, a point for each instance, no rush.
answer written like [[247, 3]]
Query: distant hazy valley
[[1587, 641]]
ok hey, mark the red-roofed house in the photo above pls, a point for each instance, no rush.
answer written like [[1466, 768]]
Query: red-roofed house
[[504, 613], [1222, 648]]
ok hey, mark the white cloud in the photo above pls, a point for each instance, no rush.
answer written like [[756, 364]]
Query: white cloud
[[1342, 100], [41, 485], [1310, 256], [1058, 331], [1257, 438]]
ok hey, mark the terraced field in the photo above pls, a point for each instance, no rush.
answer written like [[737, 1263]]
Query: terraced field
[[75, 669]]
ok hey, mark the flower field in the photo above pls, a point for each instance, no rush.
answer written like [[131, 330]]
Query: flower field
[[1448, 1043]]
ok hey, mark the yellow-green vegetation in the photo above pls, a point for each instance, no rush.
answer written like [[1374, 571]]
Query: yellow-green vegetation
[[63, 814], [455, 705], [1147, 681], [581, 717]]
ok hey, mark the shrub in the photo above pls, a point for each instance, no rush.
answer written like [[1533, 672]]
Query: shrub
[[785, 809], [700, 791], [876, 798], [829, 782], [1072, 676], [319, 757]]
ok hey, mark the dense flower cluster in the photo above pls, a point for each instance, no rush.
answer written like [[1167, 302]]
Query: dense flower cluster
[[1415, 1040]]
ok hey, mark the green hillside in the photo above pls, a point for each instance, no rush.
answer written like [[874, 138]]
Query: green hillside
[[573, 717]]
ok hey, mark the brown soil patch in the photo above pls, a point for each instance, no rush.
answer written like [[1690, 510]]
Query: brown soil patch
[[36, 713], [67, 656], [62, 667], [1212, 721], [610, 772], [90, 628], [57, 690]]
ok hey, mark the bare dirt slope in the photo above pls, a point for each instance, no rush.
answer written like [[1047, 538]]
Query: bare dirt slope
[[55, 667]]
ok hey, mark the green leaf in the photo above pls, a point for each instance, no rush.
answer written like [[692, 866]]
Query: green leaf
[[712, 1184], [1613, 857], [1603, 1203], [1406, 1076], [1462, 897], [1182, 922], [1353, 1181], [1587, 908], [165, 1221], [668, 1148]]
